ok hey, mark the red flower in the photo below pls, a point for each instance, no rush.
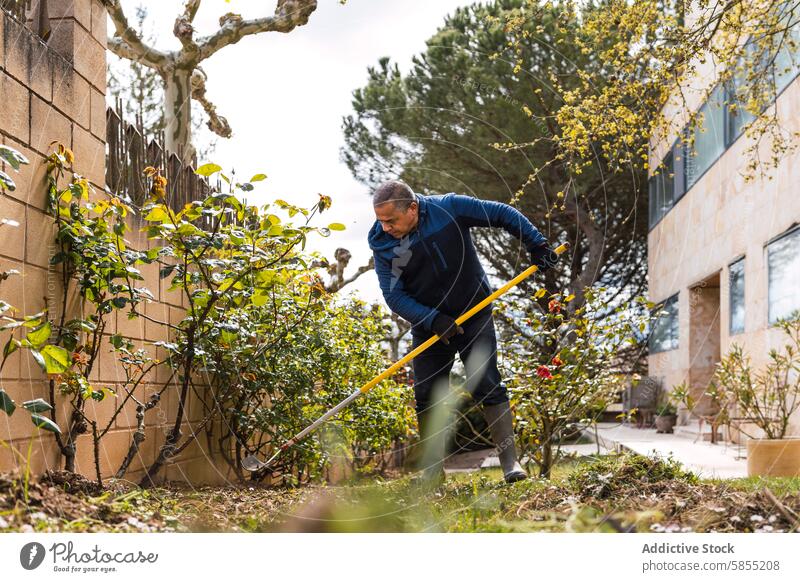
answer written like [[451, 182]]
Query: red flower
[[554, 306], [556, 361], [544, 372]]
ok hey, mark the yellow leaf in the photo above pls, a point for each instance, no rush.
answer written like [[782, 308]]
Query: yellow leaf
[[539, 294], [569, 298]]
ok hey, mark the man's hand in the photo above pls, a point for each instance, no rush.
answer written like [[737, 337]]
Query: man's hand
[[544, 257], [446, 327]]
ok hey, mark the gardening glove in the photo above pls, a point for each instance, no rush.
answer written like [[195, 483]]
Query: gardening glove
[[446, 327], [544, 257]]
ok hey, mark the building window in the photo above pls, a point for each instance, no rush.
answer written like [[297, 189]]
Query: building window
[[787, 60], [661, 188], [667, 187], [783, 263], [665, 329], [738, 116], [724, 117], [736, 291], [709, 140]]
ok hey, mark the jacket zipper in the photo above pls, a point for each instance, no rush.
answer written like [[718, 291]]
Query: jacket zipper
[[430, 258], [441, 256], [427, 252]]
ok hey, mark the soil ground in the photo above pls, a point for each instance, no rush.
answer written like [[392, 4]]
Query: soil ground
[[610, 493]]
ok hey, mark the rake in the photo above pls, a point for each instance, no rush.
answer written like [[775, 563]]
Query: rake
[[253, 463]]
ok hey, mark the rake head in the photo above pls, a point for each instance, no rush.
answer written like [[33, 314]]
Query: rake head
[[252, 463]]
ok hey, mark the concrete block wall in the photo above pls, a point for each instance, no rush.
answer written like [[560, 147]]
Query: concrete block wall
[[55, 91]]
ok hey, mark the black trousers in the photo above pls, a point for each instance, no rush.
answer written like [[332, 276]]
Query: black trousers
[[477, 348]]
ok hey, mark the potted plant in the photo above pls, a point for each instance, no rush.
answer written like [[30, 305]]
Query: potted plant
[[766, 399], [666, 416], [713, 409]]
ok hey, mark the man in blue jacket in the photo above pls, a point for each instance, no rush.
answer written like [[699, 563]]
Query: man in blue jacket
[[429, 273]]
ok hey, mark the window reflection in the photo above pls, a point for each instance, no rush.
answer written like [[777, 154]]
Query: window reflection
[[736, 286], [665, 328], [784, 275]]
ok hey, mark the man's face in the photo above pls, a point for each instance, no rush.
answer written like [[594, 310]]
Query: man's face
[[395, 222]]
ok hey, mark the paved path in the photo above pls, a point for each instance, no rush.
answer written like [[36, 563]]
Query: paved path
[[723, 460], [467, 462]]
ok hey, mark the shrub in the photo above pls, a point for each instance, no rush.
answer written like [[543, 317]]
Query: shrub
[[562, 366], [261, 342], [767, 398]]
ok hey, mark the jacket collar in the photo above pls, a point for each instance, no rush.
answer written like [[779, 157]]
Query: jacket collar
[[422, 203]]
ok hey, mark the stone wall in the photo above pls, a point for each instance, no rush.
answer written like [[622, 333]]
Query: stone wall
[[718, 220], [55, 91]]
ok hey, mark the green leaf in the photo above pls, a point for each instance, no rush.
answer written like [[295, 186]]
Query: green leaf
[[45, 423], [11, 346], [6, 183], [12, 325], [165, 271], [157, 214], [6, 403], [258, 178], [259, 298], [12, 156], [207, 170], [38, 405], [336, 226], [39, 359], [39, 335], [56, 359]]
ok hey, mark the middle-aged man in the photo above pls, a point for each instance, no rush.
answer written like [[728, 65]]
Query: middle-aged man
[[429, 273]]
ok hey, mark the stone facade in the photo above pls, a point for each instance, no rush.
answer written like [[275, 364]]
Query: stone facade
[[55, 91], [719, 219]]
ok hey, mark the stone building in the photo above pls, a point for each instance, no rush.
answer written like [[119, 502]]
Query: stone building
[[723, 253]]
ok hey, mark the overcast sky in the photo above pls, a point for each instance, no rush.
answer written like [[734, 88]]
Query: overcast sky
[[285, 95]]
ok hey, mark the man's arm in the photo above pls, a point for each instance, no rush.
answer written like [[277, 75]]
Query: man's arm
[[398, 300], [475, 212]]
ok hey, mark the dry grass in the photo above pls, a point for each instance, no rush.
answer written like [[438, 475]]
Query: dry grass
[[611, 493]]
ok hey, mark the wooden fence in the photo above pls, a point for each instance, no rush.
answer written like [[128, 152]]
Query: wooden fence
[[129, 151]]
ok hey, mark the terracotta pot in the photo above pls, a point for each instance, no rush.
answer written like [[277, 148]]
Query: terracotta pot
[[773, 457], [665, 422]]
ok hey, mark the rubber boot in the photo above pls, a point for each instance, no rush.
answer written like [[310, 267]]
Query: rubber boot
[[498, 417], [432, 457]]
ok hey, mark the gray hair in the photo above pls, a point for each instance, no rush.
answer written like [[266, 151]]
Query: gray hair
[[394, 191]]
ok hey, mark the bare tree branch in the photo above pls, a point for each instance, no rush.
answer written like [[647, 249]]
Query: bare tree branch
[[128, 42], [336, 270], [184, 32], [216, 123], [288, 15], [183, 80], [190, 9]]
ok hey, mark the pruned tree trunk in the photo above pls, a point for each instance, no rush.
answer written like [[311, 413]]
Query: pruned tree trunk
[[178, 66], [178, 114]]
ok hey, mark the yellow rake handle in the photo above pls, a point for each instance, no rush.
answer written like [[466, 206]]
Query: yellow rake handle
[[252, 463], [461, 319]]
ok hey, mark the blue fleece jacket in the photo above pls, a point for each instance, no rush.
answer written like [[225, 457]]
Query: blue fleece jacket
[[435, 268]]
